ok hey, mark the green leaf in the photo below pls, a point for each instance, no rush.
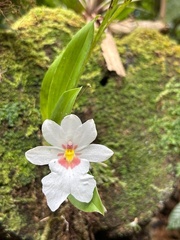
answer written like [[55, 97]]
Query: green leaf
[[74, 5], [119, 10], [65, 71], [125, 13], [95, 205], [65, 104], [111, 14], [174, 218], [44, 92]]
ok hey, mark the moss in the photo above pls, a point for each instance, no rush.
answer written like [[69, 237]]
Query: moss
[[139, 174], [169, 123], [125, 114], [25, 56]]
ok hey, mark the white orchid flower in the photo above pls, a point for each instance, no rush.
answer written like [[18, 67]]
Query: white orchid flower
[[68, 159]]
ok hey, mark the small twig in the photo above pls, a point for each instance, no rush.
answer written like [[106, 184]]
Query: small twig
[[66, 223], [47, 228], [162, 12]]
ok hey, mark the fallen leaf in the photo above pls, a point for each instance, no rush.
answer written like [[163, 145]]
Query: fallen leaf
[[111, 55]]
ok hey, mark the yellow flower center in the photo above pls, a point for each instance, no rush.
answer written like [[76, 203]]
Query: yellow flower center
[[69, 154]]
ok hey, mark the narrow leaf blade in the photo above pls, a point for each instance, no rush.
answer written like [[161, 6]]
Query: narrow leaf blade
[[119, 10], [65, 72], [46, 83], [65, 104]]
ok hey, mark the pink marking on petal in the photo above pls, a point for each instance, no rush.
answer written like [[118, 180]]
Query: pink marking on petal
[[75, 146], [60, 154], [64, 146], [69, 145], [62, 161], [76, 161]]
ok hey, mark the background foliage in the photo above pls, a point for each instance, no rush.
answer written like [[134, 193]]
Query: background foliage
[[149, 9]]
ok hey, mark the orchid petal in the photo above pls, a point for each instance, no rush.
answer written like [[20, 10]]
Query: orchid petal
[[96, 153], [82, 168], [69, 125], [53, 133], [56, 189], [85, 134], [82, 187], [42, 155]]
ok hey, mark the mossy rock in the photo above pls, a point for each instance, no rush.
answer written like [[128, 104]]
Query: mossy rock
[[136, 178]]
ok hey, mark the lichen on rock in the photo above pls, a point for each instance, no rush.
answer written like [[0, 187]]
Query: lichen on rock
[[137, 177]]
